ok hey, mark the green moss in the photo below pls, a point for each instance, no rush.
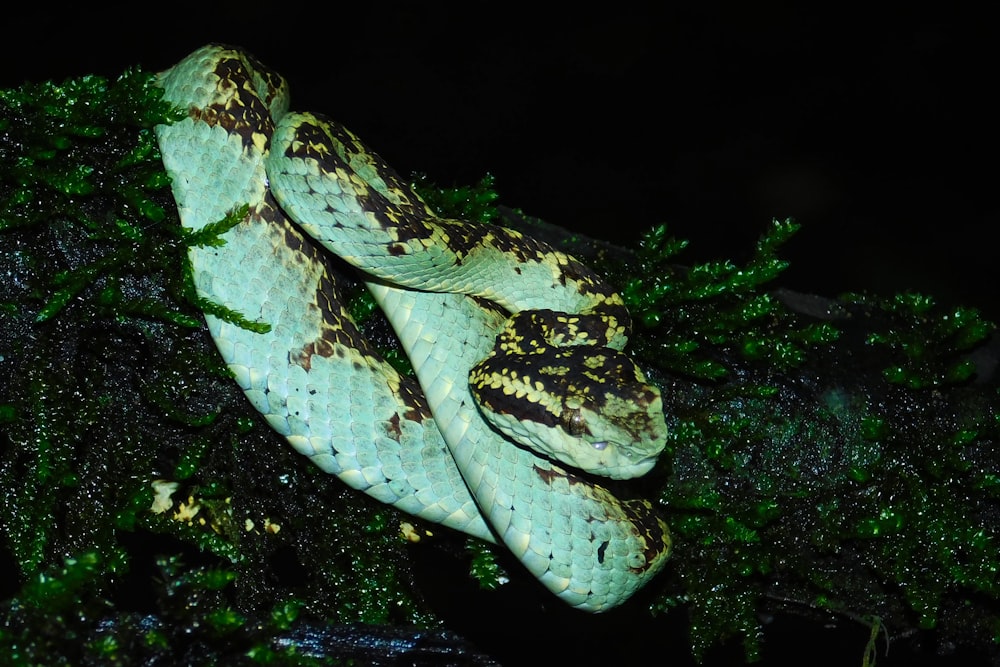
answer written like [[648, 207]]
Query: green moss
[[52, 622], [95, 282], [716, 307], [49, 610], [484, 566], [785, 456], [467, 202], [925, 342]]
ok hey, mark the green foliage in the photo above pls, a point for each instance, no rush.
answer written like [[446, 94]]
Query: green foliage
[[94, 275], [715, 308], [484, 567], [775, 472], [47, 132], [51, 605], [924, 341], [468, 202], [51, 622], [105, 210]]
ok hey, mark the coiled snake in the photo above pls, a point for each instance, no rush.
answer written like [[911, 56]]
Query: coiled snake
[[476, 308]]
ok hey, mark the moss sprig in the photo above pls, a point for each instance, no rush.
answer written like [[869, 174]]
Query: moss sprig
[[925, 341], [691, 315]]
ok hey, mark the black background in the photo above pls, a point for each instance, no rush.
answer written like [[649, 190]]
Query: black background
[[877, 132]]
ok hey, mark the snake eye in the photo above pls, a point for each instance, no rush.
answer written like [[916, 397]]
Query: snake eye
[[573, 422]]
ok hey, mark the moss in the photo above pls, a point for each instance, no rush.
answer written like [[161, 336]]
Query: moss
[[466, 202], [195, 622], [785, 456], [716, 307], [484, 567], [925, 343]]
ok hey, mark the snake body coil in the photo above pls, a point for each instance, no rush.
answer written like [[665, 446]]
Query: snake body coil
[[514, 344]]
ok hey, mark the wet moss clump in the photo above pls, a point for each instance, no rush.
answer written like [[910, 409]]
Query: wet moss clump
[[819, 444]]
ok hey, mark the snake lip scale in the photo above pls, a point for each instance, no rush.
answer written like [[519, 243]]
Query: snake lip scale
[[521, 378]]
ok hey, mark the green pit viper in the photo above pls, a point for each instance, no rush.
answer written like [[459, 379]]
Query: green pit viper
[[514, 344]]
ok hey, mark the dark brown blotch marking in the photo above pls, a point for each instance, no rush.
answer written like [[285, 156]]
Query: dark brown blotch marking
[[550, 475], [392, 428], [649, 529]]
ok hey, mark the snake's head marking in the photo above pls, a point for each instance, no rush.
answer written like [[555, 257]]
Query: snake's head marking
[[587, 407]]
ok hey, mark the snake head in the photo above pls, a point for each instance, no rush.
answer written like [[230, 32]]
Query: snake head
[[587, 407]]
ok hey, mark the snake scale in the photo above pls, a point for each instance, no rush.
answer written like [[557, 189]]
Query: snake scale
[[513, 344]]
